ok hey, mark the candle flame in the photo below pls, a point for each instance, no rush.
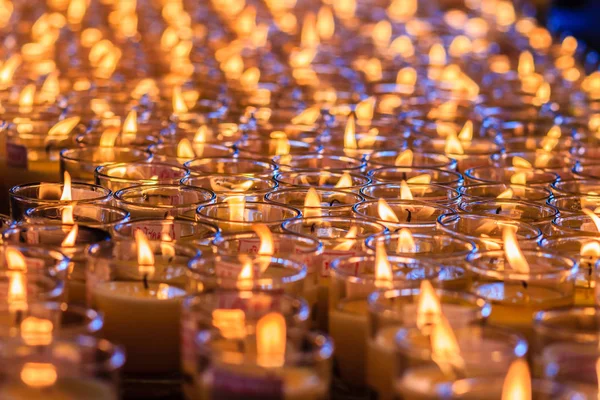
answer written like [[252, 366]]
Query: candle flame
[[309, 36], [185, 151], [445, 351], [437, 55], [179, 106], [595, 219], [512, 251], [429, 308], [8, 69], [280, 142], [405, 193], [312, 204], [460, 46], [38, 375], [109, 137], [271, 340], [64, 127], [407, 76], [66, 193], [383, 268], [130, 124], [325, 23], [519, 178], [308, 116], [402, 10], [71, 238], [517, 383], [382, 33], [542, 95], [526, 64], [349, 133], [385, 211], [347, 244], [365, 110], [67, 215], [421, 179], [507, 194], [15, 260], [145, 255], [590, 249], [37, 331], [231, 323], [201, 133], [453, 145], [404, 159], [267, 247], [406, 242], [250, 78], [237, 206], [466, 133], [344, 182], [17, 291], [520, 162], [26, 98], [403, 46]]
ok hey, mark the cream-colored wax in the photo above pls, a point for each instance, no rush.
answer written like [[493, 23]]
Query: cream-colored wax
[[63, 389]]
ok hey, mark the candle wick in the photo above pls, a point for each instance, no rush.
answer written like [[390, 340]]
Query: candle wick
[[524, 284], [498, 210], [146, 286], [332, 202], [19, 317], [408, 216], [313, 228]]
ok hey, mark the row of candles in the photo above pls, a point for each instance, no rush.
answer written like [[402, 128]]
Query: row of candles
[[261, 198]]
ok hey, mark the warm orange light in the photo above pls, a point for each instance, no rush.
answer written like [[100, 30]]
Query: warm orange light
[[76, 11], [542, 95], [405, 193], [312, 204], [507, 194], [365, 111], [26, 98], [246, 276], [402, 46], [309, 37], [421, 179], [8, 69], [109, 137], [201, 134], [551, 139], [382, 33], [230, 322], [250, 78], [372, 69], [38, 375], [344, 182], [15, 260], [402, 10], [179, 106], [519, 178], [460, 46], [512, 251], [36, 331], [267, 247], [437, 55], [453, 145], [517, 383], [595, 219], [71, 238], [347, 244], [445, 351], [429, 308], [66, 193], [385, 211], [67, 215], [145, 255], [526, 64], [64, 127], [271, 340], [404, 159], [308, 116], [520, 162], [130, 124], [590, 249], [466, 133], [185, 151], [325, 23], [349, 133], [383, 269], [406, 242], [279, 144], [237, 207]]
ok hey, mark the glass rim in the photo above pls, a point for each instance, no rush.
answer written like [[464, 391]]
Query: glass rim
[[223, 204], [458, 176], [449, 189], [56, 285], [317, 245], [106, 193], [537, 171], [426, 236], [95, 249], [188, 181], [543, 386], [400, 203], [101, 171], [558, 186], [335, 266], [234, 159], [133, 189], [17, 229], [178, 219], [515, 202], [42, 219], [359, 198], [541, 318], [329, 219], [463, 190], [444, 219], [303, 172], [71, 153]]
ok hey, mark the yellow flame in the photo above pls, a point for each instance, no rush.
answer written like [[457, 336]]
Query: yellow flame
[[590, 249], [15, 259], [385, 211], [453, 145], [130, 124], [71, 238], [404, 159], [280, 143], [422, 179], [365, 111], [466, 133], [67, 215], [179, 106], [542, 95], [230, 322], [185, 149], [445, 351], [437, 55], [344, 182], [460, 46], [76, 11], [507, 194], [145, 255], [38, 375], [519, 178], [271, 340], [512, 251], [383, 269], [349, 133], [405, 193], [526, 64], [66, 193], [325, 23], [407, 76], [17, 291], [308, 116], [406, 241], [347, 244], [312, 204], [201, 134], [245, 278], [372, 69], [250, 78], [109, 137], [382, 33], [267, 247], [26, 98], [237, 206], [403, 46], [595, 219], [8, 69], [37, 331], [517, 383], [64, 127], [429, 308], [402, 10], [309, 37], [520, 162]]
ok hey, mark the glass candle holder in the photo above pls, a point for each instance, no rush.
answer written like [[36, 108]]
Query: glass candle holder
[[581, 225], [319, 162], [389, 158], [326, 180], [231, 220], [515, 296], [225, 133], [46, 261], [82, 162], [39, 285], [161, 201], [271, 147], [391, 310], [24, 197], [99, 216], [583, 249], [231, 166], [352, 280], [448, 252], [224, 186], [305, 373], [532, 177], [476, 153], [5, 221], [68, 321], [486, 352], [493, 190], [418, 216], [535, 214], [472, 227], [136, 299], [586, 187], [547, 160], [169, 153], [427, 192], [74, 368], [180, 230], [123, 175], [328, 203], [211, 309], [398, 174], [574, 204]]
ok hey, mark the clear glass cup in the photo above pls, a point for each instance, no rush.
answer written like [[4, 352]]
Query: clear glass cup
[[418, 216], [137, 299], [322, 180], [122, 175], [391, 310], [332, 202], [82, 162], [224, 186], [471, 227], [231, 166], [99, 216], [515, 296], [31, 195], [430, 192], [167, 152], [271, 147], [388, 158], [46, 261], [476, 153], [161, 201], [352, 280], [319, 162], [574, 204], [398, 174], [493, 190], [180, 230], [69, 368], [533, 177], [586, 187], [220, 214], [575, 225]]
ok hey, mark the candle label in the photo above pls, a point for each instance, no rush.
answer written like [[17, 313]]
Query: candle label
[[231, 386], [16, 155], [155, 231], [330, 255]]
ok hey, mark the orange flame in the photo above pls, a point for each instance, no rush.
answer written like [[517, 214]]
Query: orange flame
[[271, 340]]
